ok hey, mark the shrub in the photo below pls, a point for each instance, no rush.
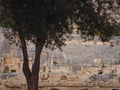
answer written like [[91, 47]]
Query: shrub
[[6, 69]]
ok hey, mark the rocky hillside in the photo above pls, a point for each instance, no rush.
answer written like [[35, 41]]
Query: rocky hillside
[[78, 54]]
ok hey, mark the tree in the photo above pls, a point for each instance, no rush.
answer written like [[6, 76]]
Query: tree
[[48, 23], [43, 22], [97, 17]]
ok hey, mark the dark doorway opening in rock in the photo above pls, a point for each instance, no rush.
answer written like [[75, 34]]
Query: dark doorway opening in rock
[[55, 89], [13, 70]]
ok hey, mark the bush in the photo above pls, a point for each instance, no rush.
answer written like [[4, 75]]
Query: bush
[[6, 69], [103, 65]]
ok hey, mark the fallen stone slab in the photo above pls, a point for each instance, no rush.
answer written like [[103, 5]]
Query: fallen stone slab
[[13, 85]]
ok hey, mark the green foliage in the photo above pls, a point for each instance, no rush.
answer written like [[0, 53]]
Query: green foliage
[[52, 19], [38, 19], [55, 62], [49, 71], [93, 19], [6, 69], [103, 65], [116, 31]]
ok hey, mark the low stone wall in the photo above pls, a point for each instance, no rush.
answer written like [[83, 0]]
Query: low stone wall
[[60, 87]]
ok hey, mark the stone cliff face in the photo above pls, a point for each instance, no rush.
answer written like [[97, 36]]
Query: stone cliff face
[[74, 53], [87, 54]]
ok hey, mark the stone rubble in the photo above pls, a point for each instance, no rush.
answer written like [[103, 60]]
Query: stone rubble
[[87, 78]]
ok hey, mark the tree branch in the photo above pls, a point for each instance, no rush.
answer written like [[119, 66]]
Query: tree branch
[[26, 69], [39, 46]]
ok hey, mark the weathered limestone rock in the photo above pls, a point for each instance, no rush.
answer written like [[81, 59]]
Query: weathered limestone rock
[[13, 85], [2, 87]]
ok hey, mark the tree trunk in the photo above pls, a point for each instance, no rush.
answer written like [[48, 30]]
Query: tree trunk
[[32, 84], [32, 76], [32, 80]]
